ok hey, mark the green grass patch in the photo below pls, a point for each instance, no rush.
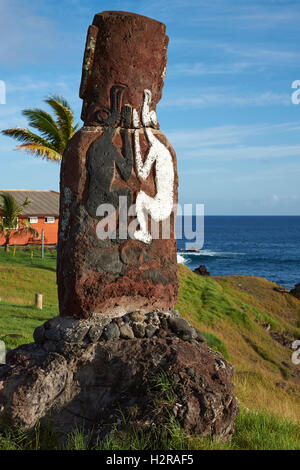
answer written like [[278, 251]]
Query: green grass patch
[[21, 277], [17, 322], [261, 351], [260, 316], [254, 430], [264, 431], [29, 257], [215, 343], [207, 301]]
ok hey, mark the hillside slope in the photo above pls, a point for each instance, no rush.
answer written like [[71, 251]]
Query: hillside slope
[[243, 317], [253, 324]]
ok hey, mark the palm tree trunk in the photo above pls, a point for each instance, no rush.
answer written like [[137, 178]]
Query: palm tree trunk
[[7, 238]]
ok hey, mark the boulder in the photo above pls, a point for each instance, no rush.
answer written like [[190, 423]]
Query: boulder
[[296, 291], [202, 271], [85, 384]]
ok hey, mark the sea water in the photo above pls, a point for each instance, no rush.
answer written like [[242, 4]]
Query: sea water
[[265, 246]]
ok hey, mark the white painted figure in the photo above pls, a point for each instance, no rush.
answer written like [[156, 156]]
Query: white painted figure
[[159, 207]]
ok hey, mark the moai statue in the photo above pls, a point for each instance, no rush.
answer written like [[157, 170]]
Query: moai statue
[[118, 187]]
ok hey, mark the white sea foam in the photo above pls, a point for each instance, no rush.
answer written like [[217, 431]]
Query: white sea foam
[[180, 258], [226, 254]]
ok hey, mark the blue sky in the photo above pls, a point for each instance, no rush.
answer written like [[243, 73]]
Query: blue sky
[[226, 106]]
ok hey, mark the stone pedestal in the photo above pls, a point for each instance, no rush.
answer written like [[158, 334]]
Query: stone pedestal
[[118, 159], [82, 373]]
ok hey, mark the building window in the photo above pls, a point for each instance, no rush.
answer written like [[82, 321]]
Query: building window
[[49, 220], [33, 220]]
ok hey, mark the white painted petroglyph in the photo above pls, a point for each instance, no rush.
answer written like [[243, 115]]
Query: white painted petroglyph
[[159, 207], [148, 117], [135, 119]]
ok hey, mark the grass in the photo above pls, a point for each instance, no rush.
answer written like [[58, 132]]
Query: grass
[[20, 278], [216, 344], [263, 431], [232, 313], [255, 430], [235, 311]]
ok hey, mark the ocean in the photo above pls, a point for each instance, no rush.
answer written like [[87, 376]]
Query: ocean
[[265, 246]]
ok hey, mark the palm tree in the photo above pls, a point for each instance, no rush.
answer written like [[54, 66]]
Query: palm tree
[[54, 132], [10, 225]]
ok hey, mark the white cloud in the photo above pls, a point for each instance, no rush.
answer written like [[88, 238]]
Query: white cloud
[[207, 99], [261, 55], [22, 32], [27, 37], [275, 172], [230, 143], [204, 171], [250, 15], [202, 68], [224, 135], [10, 116], [233, 58], [25, 84], [244, 152]]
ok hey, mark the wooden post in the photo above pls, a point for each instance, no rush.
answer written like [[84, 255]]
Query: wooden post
[[42, 243], [39, 301]]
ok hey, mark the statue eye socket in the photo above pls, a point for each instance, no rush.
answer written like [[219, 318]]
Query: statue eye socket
[[102, 115]]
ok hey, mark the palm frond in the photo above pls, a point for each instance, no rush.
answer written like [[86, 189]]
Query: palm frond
[[43, 151], [45, 123], [26, 136], [26, 227], [10, 212], [10, 209], [8, 204], [64, 114], [55, 132]]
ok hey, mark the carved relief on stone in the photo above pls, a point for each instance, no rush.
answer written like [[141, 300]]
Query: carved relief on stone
[[103, 156], [160, 206], [119, 152]]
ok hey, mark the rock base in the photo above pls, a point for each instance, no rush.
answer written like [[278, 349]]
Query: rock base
[[202, 270], [296, 291], [83, 372]]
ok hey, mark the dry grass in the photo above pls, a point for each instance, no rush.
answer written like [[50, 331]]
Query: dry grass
[[265, 377]]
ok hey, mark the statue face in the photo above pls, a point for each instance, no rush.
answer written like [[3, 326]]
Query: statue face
[[129, 62]]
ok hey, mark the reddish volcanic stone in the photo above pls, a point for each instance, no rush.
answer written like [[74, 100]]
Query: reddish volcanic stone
[[125, 49], [86, 387], [123, 72]]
